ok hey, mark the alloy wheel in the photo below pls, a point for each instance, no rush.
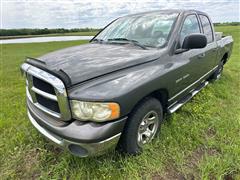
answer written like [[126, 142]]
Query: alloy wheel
[[148, 128]]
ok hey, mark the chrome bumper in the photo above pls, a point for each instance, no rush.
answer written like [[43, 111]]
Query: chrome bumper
[[78, 149]]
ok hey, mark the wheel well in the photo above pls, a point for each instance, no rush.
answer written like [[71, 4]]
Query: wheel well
[[161, 95], [225, 57]]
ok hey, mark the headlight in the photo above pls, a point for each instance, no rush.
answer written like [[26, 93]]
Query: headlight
[[98, 112]]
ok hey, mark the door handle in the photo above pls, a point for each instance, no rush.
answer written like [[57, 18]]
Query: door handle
[[202, 55]]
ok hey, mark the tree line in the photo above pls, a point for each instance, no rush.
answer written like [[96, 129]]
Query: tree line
[[227, 24], [25, 31]]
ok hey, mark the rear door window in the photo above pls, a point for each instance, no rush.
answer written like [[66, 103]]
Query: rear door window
[[207, 28]]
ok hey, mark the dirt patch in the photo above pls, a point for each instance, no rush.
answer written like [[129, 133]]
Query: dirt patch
[[190, 168], [231, 176], [53, 148], [194, 159], [197, 155], [170, 173], [31, 158], [169, 176], [27, 168], [211, 132]]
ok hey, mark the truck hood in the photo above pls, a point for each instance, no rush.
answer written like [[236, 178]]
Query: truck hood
[[91, 60]]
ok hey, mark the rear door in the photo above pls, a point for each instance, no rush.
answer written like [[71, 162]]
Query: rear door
[[211, 48]]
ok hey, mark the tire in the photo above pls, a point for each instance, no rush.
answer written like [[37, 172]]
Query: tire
[[218, 72], [142, 126]]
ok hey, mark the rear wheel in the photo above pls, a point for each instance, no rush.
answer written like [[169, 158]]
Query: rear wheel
[[218, 72], [142, 126]]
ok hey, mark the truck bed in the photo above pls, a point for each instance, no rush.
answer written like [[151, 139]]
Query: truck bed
[[224, 45]]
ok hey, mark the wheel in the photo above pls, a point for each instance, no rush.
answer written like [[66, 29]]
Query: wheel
[[142, 126], [218, 72]]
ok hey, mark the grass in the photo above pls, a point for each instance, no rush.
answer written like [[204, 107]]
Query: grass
[[91, 33], [201, 140]]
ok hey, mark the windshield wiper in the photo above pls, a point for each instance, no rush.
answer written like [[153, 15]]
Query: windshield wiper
[[97, 40], [134, 42]]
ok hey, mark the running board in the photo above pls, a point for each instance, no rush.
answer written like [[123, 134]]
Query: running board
[[187, 98]]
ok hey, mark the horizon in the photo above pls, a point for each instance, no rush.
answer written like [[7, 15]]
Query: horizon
[[97, 14], [99, 27]]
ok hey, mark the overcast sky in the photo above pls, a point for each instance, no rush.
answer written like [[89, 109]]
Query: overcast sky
[[85, 13]]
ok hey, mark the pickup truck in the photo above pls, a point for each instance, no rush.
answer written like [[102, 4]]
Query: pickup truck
[[114, 92]]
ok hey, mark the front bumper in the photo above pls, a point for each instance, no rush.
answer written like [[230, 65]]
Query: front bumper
[[80, 139], [78, 149]]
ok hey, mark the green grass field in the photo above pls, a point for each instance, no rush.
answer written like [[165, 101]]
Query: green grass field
[[201, 140], [91, 33]]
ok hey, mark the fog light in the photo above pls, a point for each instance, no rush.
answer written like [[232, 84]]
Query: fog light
[[77, 150]]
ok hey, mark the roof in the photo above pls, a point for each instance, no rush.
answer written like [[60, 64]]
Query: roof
[[167, 11]]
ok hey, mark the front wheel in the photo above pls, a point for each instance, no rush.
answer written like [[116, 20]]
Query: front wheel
[[142, 126]]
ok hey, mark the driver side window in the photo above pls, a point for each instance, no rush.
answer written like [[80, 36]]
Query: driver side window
[[190, 26]]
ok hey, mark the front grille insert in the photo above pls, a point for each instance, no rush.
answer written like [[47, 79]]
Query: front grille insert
[[46, 92], [48, 103], [42, 85]]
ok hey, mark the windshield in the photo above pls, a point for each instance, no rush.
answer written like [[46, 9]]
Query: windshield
[[148, 30]]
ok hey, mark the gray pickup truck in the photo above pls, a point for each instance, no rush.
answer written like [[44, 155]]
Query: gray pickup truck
[[114, 91]]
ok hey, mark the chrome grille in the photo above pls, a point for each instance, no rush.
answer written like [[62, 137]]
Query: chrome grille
[[47, 92]]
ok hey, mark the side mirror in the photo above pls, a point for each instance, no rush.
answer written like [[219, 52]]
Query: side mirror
[[194, 41]]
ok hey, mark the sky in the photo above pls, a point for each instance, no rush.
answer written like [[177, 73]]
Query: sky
[[98, 13]]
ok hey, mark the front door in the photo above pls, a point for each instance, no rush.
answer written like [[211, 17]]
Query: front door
[[193, 60]]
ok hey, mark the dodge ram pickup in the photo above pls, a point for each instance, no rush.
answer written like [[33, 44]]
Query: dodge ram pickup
[[115, 91]]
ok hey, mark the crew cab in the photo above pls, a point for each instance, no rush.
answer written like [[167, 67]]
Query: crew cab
[[115, 90]]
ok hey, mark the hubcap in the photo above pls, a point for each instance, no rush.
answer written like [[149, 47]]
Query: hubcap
[[148, 128]]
